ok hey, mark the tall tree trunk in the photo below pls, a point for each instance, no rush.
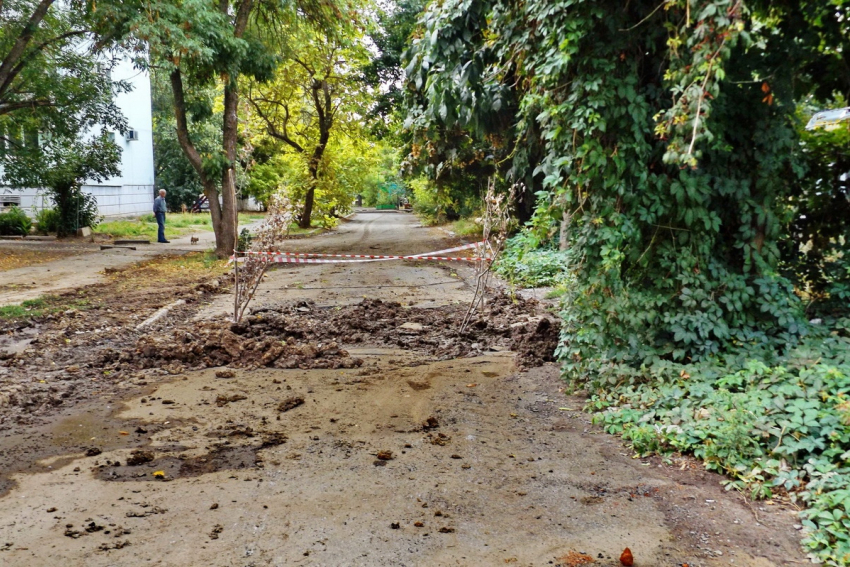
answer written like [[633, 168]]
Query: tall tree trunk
[[229, 223], [224, 235], [324, 111], [307, 212]]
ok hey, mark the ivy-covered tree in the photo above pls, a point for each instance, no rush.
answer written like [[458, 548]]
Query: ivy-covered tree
[[662, 143]]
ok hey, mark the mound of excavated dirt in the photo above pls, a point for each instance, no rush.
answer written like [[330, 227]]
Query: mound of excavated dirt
[[215, 344], [300, 335], [504, 323], [77, 353]]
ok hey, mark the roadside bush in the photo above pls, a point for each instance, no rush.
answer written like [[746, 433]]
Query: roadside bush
[[525, 263], [777, 428], [47, 220], [15, 222], [467, 228], [76, 210]]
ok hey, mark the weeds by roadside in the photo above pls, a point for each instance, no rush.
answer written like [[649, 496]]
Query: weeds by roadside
[[45, 305], [466, 228], [777, 429], [524, 263]]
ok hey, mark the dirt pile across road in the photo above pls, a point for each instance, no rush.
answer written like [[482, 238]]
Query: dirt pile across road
[[301, 335]]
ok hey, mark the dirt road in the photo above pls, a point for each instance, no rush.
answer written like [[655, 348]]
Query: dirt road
[[77, 263], [345, 431]]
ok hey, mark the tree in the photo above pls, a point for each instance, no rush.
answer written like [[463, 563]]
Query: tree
[[62, 166], [55, 93], [315, 92], [664, 150], [384, 74], [200, 45]]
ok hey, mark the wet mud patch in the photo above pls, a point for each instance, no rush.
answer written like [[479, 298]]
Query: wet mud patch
[[223, 457], [66, 439]]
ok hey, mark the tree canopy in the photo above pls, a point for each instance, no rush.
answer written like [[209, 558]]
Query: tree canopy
[[55, 92]]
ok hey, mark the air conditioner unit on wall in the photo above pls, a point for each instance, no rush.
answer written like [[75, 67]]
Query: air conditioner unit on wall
[[131, 135]]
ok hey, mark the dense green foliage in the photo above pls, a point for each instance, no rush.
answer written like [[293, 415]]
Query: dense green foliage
[[702, 228], [47, 220], [312, 109], [777, 428], [55, 94], [821, 206], [673, 216], [384, 74], [528, 263], [15, 222], [52, 75], [172, 171]]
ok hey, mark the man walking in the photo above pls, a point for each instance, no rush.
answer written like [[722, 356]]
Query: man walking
[[159, 211]]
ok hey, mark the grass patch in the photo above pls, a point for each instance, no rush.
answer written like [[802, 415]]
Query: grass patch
[[45, 305], [777, 429], [466, 228], [170, 271], [177, 224]]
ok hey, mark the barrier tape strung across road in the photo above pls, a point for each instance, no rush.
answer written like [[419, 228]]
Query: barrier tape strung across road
[[311, 257], [285, 259]]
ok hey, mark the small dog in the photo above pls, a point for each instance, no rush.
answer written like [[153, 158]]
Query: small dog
[[194, 240]]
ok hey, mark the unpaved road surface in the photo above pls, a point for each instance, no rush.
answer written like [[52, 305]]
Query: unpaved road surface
[[75, 263], [346, 422]]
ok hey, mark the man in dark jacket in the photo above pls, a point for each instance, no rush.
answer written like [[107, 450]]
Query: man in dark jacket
[[159, 211]]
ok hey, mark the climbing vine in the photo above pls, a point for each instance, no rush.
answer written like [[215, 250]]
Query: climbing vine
[[660, 140]]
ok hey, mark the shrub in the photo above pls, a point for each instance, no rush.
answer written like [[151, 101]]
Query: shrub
[[47, 220], [776, 427], [524, 263], [15, 222], [76, 210]]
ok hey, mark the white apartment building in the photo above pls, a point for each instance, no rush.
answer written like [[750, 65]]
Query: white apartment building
[[131, 192]]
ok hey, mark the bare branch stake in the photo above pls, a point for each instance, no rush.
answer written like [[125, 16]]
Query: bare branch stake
[[248, 277]]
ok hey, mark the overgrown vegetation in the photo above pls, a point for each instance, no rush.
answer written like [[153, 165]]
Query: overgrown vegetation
[[777, 425], [15, 222], [528, 263], [703, 231], [47, 220]]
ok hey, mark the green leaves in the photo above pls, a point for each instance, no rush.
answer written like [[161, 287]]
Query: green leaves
[[781, 427]]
